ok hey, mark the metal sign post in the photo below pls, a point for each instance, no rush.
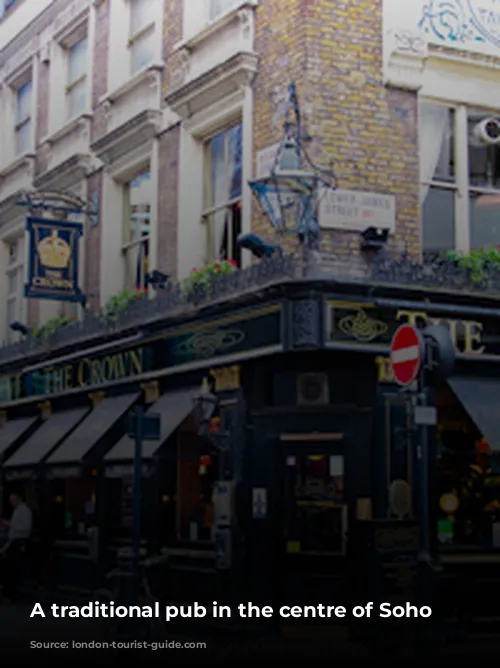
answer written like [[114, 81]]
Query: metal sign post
[[142, 426]]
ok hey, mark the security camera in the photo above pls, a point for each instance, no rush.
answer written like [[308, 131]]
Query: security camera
[[487, 132]]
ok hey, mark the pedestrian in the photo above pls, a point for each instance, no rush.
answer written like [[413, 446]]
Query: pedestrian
[[13, 553]]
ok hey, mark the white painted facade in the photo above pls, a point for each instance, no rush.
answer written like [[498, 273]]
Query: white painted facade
[[208, 98], [118, 134], [449, 54]]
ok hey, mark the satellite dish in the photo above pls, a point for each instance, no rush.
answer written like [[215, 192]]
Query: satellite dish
[[400, 499]]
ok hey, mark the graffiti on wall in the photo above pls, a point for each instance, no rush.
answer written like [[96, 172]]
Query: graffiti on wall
[[462, 22]]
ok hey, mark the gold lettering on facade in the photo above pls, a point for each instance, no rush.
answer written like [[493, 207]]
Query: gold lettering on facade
[[473, 336], [466, 334], [226, 378]]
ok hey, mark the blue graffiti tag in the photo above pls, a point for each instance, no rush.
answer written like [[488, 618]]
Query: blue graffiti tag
[[449, 20]]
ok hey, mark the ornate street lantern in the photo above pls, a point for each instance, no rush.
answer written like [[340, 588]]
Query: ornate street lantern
[[290, 195]]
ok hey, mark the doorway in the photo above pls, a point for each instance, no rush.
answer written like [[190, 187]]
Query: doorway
[[313, 514]]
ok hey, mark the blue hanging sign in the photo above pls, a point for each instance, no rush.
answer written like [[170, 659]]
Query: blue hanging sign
[[53, 259]]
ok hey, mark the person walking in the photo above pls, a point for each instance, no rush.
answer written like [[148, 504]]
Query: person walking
[[13, 553]]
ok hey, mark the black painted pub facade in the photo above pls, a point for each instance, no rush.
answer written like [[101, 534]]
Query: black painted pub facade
[[311, 430]]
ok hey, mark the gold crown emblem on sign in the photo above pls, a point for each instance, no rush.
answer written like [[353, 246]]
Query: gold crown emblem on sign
[[54, 252]]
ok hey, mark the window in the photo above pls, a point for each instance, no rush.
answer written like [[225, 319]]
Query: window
[[76, 88], [15, 287], [460, 181], [135, 248], [6, 6], [219, 7], [23, 118], [223, 184], [141, 38]]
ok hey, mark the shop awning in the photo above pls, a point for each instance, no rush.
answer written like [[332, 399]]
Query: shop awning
[[12, 431], [481, 399], [173, 408], [45, 438], [94, 427]]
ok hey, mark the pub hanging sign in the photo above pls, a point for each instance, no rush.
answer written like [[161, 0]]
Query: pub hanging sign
[[53, 259]]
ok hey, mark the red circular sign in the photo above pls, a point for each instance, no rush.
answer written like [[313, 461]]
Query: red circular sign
[[406, 354]]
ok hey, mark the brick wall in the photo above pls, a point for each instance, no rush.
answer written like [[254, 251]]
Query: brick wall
[[92, 240], [100, 68], [42, 114], [169, 144], [168, 201], [172, 34], [333, 51]]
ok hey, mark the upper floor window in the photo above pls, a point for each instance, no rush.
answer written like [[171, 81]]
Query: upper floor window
[[223, 189], [460, 179], [15, 286], [136, 231], [219, 7], [76, 88], [6, 6], [23, 126], [141, 37]]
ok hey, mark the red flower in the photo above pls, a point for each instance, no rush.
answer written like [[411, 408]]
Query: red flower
[[233, 263]]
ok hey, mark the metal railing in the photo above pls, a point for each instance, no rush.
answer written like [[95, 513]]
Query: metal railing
[[176, 300]]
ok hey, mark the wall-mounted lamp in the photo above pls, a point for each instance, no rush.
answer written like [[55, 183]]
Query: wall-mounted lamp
[[257, 246], [157, 280], [374, 238], [205, 405], [19, 327]]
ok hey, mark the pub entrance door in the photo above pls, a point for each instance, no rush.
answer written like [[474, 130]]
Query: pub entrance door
[[312, 513]]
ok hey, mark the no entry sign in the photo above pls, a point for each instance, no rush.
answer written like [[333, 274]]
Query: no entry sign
[[407, 349]]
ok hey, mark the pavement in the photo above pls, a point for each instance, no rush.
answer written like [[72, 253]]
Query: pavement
[[71, 641]]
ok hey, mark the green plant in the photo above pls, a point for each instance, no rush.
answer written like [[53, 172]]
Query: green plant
[[477, 263], [46, 330], [200, 279], [117, 304]]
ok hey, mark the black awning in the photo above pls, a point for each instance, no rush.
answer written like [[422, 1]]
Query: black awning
[[481, 399], [45, 438], [89, 432], [12, 431], [173, 408]]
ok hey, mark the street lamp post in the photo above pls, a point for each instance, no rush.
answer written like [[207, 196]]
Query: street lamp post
[[290, 195]]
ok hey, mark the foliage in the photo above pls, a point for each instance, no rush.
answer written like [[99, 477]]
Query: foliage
[[199, 280], [118, 304], [478, 263], [45, 331]]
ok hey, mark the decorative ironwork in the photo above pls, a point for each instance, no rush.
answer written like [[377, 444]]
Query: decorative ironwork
[[290, 195], [174, 301], [62, 204], [305, 323]]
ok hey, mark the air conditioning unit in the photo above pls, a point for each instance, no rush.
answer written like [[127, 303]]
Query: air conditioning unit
[[487, 132], [312, 389]]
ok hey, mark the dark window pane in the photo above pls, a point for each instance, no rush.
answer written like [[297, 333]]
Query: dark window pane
[[438, 214], [437, 154], [484, 160], [484, 220]]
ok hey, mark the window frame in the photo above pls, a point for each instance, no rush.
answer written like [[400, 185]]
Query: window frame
[[134, 38], [17, 269], [209, 208], [214, 13], [129, 245], [71, 86], [21, 124], [461, 186]]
